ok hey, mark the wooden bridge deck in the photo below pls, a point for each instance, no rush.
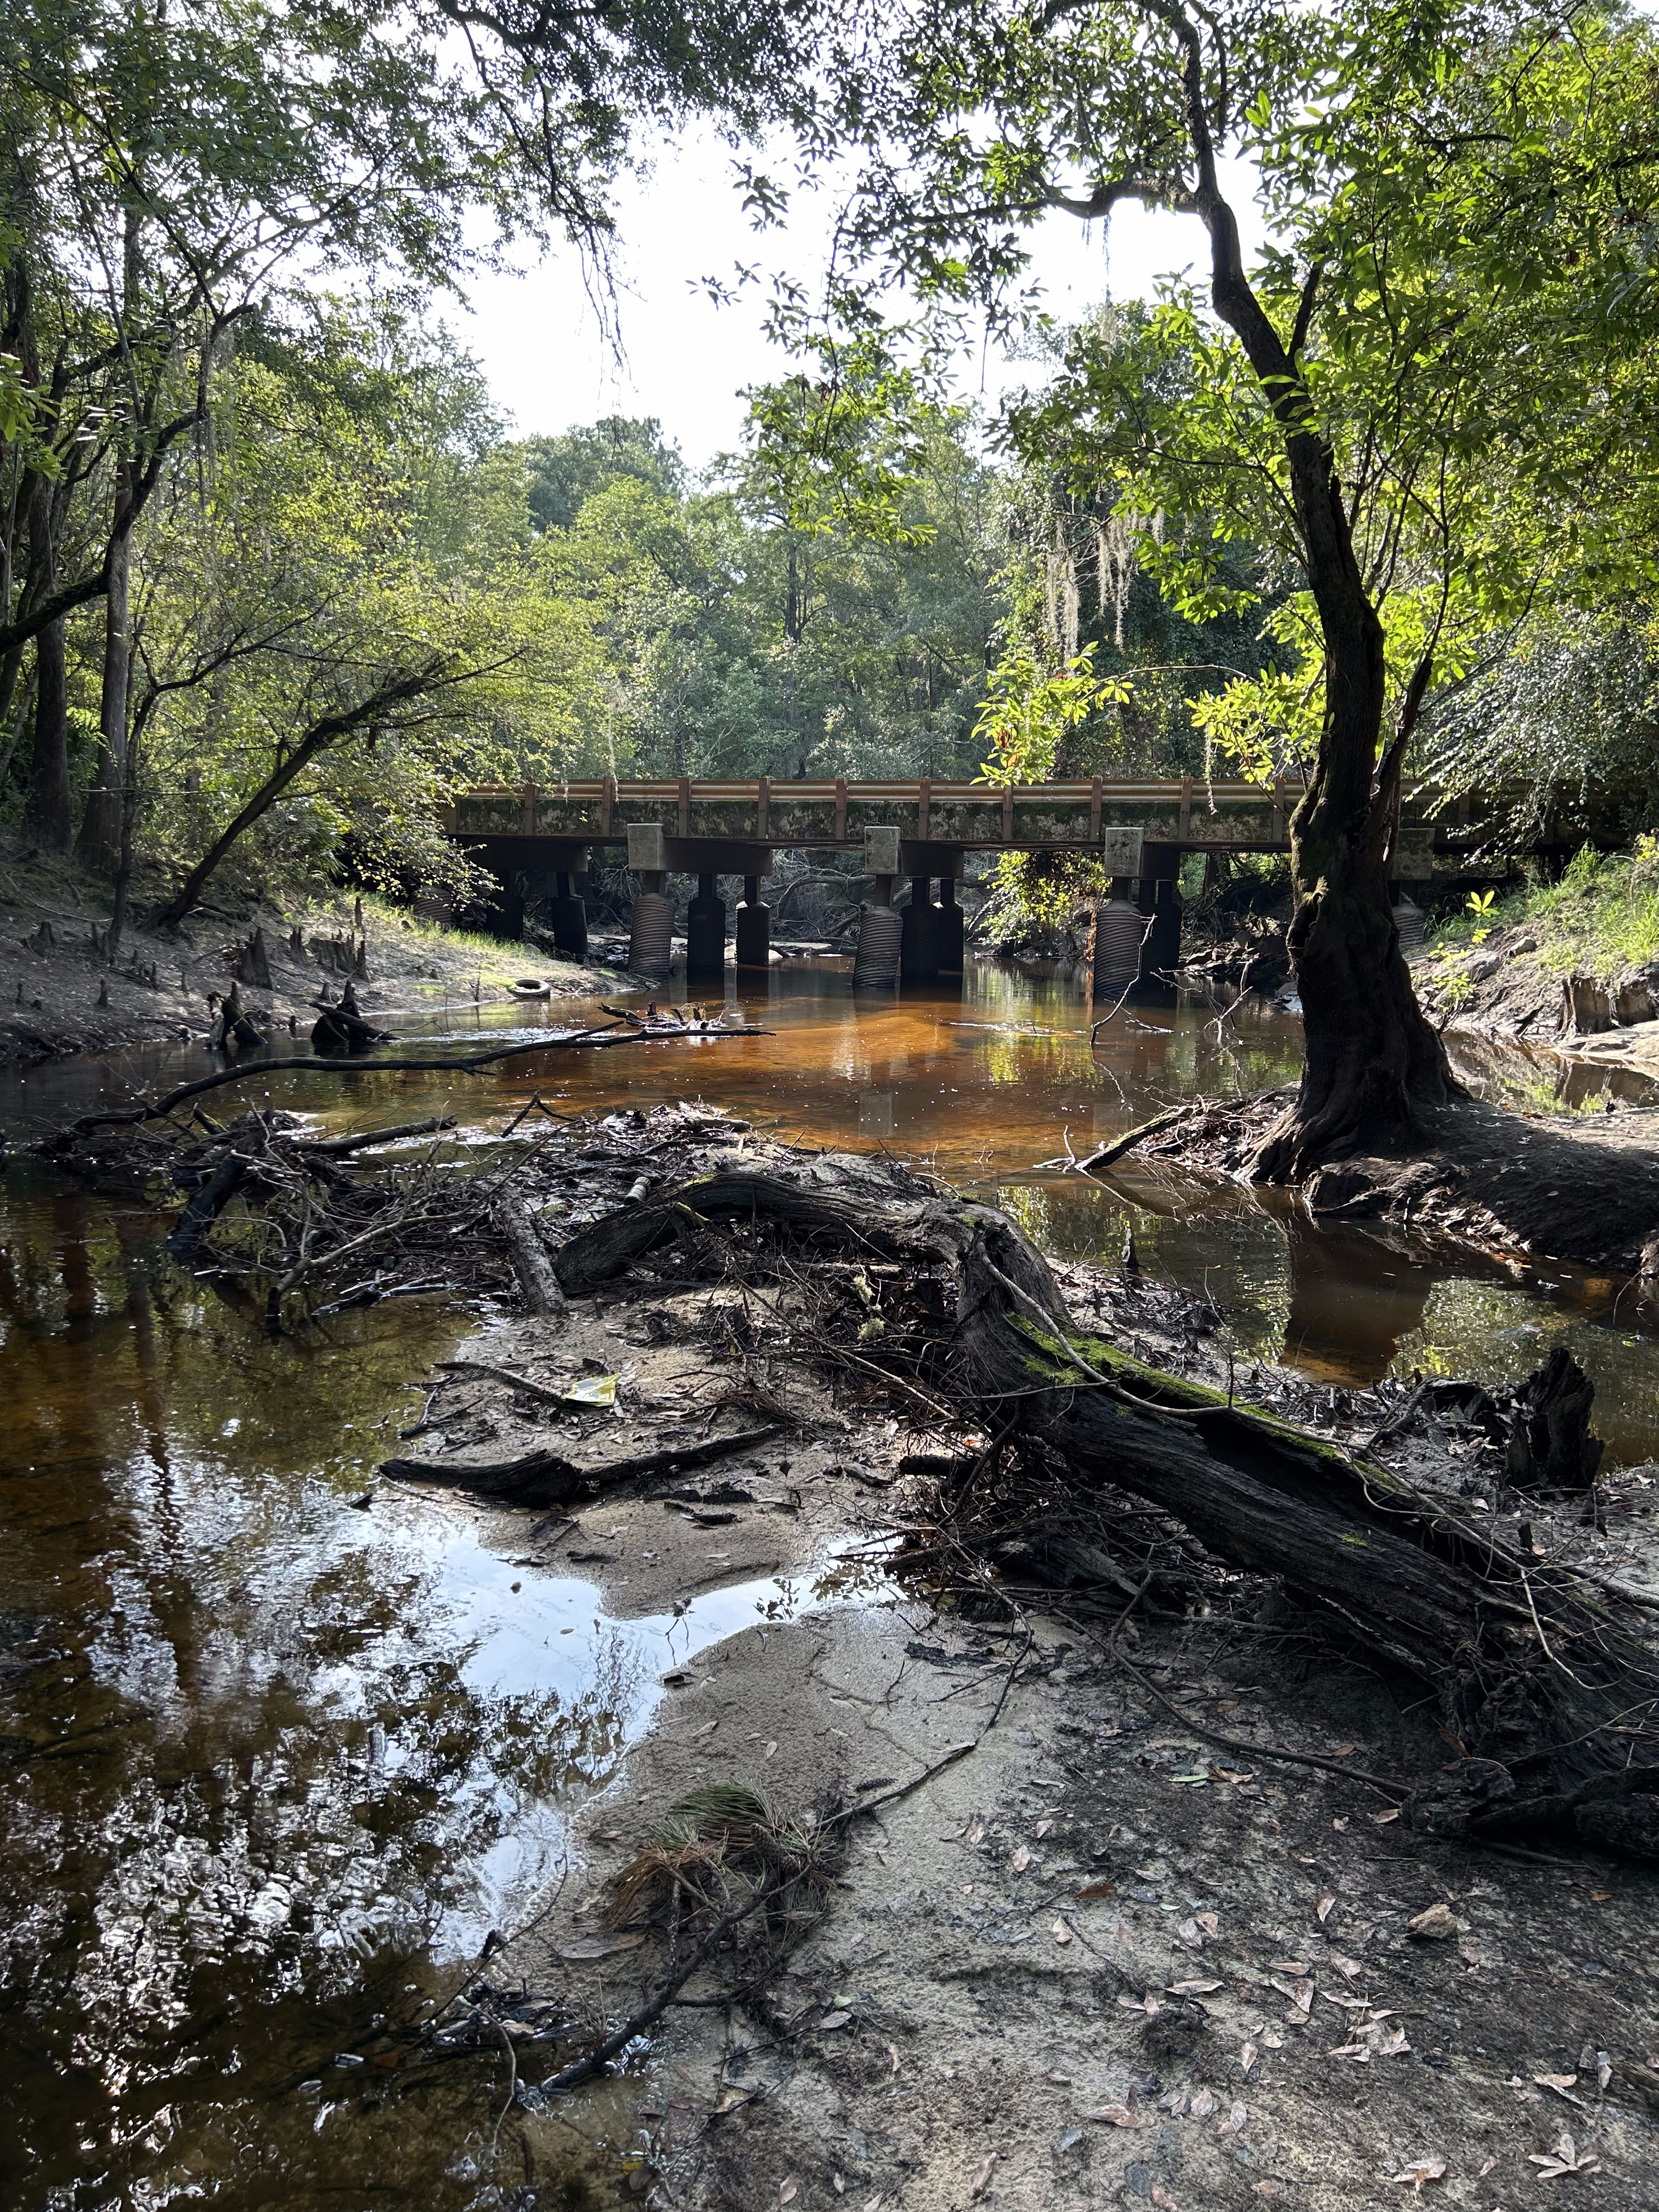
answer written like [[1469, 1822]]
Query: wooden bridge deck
[[1190, 815]]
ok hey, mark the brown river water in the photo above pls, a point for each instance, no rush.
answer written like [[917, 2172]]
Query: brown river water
[[274, 1768]]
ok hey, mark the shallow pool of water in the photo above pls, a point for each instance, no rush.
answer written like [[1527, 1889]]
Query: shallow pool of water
[[276, 1766]]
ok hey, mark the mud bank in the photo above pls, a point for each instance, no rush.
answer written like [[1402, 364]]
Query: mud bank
[[1130, 1918], [60, 993]]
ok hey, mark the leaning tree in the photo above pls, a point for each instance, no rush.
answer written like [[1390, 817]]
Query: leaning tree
[[1391, 398]]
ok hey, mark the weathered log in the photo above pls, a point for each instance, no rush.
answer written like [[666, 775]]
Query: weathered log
[[1538, 1678], [548, 1478], [153, 1109], [532, 1262], [205, 1207]]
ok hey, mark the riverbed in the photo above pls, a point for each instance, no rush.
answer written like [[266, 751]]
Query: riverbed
[[279, 1766]]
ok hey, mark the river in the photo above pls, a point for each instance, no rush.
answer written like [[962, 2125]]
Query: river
[[276, 1767]]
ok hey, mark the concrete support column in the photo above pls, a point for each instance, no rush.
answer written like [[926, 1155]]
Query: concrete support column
[[948, 926], [568, 917], [650, 927], [1161, 954], [705, 931], [1116, 959], [754, 927], [919, 957]]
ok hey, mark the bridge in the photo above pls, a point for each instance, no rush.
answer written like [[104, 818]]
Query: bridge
[[923, 829]]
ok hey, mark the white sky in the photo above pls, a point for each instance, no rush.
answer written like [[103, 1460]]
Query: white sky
[[687, 360]]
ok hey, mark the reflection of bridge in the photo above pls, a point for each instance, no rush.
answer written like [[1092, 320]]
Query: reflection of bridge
[[922, 830]]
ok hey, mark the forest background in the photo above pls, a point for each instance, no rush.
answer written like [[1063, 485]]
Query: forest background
[[272, 562]]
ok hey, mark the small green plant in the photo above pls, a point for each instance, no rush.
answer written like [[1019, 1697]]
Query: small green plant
[[1456, 990], [1480, 905]]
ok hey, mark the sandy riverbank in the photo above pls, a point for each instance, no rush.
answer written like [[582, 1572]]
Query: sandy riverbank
[[1098, 1960]]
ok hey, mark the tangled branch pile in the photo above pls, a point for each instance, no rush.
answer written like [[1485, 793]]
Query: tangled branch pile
[[1547, 1684]]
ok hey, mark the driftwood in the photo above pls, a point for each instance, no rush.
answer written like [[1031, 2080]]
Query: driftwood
[[1103, 1156], [538, 1284], [1550, 1445], [548, 1478], [1540, 1684], [152, 1110]]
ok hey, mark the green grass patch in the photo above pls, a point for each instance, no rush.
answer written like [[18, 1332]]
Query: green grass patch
[[1600, 918]]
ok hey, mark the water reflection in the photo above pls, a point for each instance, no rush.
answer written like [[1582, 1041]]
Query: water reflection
[[273, 1762]]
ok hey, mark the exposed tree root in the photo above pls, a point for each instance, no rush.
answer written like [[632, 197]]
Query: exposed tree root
[[1582, 1191]]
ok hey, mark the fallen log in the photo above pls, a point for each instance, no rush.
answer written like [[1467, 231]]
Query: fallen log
[[1103, 1156], [1550, 1696], [154, 1109], [548, 1478], [538, 1285]]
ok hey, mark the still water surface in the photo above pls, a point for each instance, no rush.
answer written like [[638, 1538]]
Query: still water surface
[[275, 1765]]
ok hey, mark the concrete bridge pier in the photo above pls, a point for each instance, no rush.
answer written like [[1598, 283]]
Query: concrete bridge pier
[[948, 928], [1159, 905], [568, 917], [705, 932], [917, 946], [881, 932], [754, 927]]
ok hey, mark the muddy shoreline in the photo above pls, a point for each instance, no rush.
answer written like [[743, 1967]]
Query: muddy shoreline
[[1097, 1959]]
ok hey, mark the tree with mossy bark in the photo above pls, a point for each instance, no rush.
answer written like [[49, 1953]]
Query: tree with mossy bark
[[1376, 400]]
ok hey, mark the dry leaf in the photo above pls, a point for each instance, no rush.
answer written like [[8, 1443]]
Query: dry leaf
[[1390, 2043], [1203, 2105], [1566, 2157], [732, 2100], [1272, 2040], [1210, 1923], [1091, 1889], [1349, 1969], [1020, 1861], [892, 2059], [771, 1751], [788, 2190], [1562, 2084], [1236, 2121], [1191, 1989], [1296, 1967], [1421, 2170], [1042, 1828], [1603, 2069], [1247, 2056], [1344, 1751], [833, 2021], [1435, 1925], [1383, 1818], [981, 2180], [1326, 1898], [838, 2185], [1162, 2199], [1118, 2116], [1061, 1932], [708, 1729]]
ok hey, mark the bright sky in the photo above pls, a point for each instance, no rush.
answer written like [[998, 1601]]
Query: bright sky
[[687, 360]]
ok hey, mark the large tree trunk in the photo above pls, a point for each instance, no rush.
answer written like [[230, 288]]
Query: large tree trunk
[[48, 816], [100, 843], [1539, 1681], [1372, 1060]]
